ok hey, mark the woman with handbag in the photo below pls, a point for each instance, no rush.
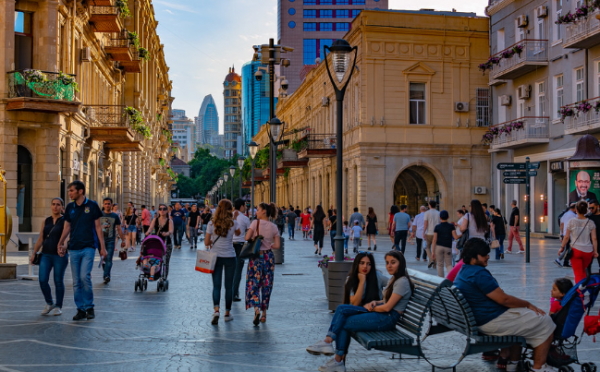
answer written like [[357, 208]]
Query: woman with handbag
[[46, 254], [259, 277], [498, 228], [581, 232], [219, 240], [475, 223], [162, 226]]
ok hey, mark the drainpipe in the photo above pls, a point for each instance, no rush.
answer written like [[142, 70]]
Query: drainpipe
[[73, 15]]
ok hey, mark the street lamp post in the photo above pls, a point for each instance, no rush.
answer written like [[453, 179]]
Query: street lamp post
[[252, 149], [274, 131], [221, 188], [232, 172], [225, 178], [340, 50], [240, 162]]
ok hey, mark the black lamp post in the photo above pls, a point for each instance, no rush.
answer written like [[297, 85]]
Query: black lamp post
[[225, 179], [240, 162], [232, 173], [340, 51], [274, 130], [221, 188], [252, 149]]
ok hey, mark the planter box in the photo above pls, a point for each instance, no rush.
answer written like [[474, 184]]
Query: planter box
[[326, 280], [289, 155], [336, 279], [8, 271]]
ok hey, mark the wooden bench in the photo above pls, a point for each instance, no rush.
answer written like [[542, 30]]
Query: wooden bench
[[435, 307]]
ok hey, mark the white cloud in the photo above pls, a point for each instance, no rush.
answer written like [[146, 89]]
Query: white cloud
[[168, 11]]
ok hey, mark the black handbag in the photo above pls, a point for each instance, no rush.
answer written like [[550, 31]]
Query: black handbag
[[251, 248], [465, 235]]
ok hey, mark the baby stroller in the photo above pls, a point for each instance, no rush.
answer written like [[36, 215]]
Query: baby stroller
[[576, 303], [153, 247]]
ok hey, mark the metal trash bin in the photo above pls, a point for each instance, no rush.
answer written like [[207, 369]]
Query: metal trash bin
[[279, 254]]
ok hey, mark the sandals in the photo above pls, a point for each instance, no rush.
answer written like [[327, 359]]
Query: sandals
[[263, 319], [256, 319]]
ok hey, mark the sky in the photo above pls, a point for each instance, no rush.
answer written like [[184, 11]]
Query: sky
[[203, 38]]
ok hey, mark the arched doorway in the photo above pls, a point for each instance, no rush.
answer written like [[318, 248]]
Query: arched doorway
[[415, 186], [24, 188]]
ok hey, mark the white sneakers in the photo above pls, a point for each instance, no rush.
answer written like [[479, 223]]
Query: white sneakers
[[228, 318], [512, 366], [215, 318], [333, 366], [545, 368], [47, 309], [320, 347], [52, 310]]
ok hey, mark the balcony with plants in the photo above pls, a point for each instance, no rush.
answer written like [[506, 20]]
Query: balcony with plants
[[109, 18], [122, 49], [35, 90], [517, 60], [582, 116], [582, 26], [516, 133], [121, 128], [319, 145], [140, 55]]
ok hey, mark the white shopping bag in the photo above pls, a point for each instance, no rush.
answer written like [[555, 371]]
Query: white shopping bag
[[205, 261]]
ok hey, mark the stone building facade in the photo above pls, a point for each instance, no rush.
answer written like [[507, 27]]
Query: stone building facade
[[111, 131], [232, 92], [405, 139]]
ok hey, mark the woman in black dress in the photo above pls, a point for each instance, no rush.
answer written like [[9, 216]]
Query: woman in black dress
[[371, 228], [162, 226], [318, 228]]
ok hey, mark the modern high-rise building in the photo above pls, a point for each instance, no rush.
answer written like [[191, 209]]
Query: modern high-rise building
[[232, 89], [255, 102], [308, 25], [208, 121], [184, 131]]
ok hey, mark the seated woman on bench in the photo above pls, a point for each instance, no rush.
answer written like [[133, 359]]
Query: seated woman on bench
[[375, 315]]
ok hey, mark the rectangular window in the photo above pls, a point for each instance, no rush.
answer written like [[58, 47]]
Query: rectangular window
[[227, 126], [558, 84], [417, 103], [519, 32], [310, 26], [579, 85], [540, 32], [310, 13], [309, 51], [23, 40], [326, 13], [342, 26], [326, 2], [482, 107], [558, 14], [310, 2], [342, 13], [326, 26], [597, 78], [355, 12], [358, 2], [500, 41], [541, 98], [342, 2]]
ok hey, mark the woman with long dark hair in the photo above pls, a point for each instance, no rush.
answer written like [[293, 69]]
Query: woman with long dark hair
[[318, 228], [475, 221], [374, 316], [393, 210], [364, 283], [371, 228]]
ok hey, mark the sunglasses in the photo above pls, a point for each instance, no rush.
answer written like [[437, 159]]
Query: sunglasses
[[162, 209], [364, 252]]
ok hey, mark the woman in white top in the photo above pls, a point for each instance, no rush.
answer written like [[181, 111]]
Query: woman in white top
[[581, 232], [219, 239], [475, 221]]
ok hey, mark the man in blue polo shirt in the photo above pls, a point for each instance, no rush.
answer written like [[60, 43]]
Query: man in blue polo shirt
[[178, 217], [400, 226], [499, 314], [82, 224]]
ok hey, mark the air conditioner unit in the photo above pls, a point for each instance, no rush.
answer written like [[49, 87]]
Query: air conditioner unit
[[86, 54], [461, 106], [524, 91], [541, 11], [505, 100], [522, 21], [480, 190], [325, 102]]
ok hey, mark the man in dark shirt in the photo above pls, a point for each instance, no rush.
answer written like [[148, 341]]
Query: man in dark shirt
[[178, 217], [594, 215], [513, 228], [291, 221], [499, 314], [82, 223], [298, 219], [110, 222]]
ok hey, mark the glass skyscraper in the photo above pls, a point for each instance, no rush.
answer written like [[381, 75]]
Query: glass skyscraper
[[255, 102], [208, 122]]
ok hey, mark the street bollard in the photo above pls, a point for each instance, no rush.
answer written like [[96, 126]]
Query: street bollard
[[30, 238]]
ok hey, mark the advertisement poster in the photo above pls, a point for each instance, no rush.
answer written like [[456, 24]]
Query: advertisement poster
[[584, 184]]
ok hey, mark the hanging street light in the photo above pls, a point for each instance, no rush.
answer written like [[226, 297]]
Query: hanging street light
[[240, 162], [253, 150], [274, 130], [232, 172]]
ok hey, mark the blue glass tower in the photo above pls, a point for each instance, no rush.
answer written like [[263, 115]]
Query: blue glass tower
[[255, 102]]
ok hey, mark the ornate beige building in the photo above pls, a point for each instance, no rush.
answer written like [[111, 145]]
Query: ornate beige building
[[414, 114], [85, 94], [232, 89]]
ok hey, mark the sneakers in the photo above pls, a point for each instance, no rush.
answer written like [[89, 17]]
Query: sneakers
[[512, 366], [80, 315], [215, 318], [47, 309], [236, 299], [333, 366], [431, 264], [545, 368], [90, 314], [228, 318], [375, 247], [320, 347], [521, 251], [55, 311], [106, 280], [558, 263]]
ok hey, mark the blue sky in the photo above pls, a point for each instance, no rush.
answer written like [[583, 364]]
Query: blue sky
[[203, 38]]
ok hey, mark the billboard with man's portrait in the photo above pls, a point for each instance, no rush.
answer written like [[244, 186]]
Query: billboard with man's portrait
[[584, 185]]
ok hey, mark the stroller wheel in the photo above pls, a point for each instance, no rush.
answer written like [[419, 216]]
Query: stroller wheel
[[136, 286], [167, 288], [158, 286], [588, 367], [566, 369], [145, 284]]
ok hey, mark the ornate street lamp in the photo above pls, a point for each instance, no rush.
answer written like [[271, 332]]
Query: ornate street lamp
[[225, 179], [253, 150], [274, 131], [220, 188], [340, 58], [232, 172], [240, 162]]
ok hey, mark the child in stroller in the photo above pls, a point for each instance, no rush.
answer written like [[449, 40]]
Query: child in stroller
[[152, 264]]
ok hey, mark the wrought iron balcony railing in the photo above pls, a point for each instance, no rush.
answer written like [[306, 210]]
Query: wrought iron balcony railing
[[580, 121], [41, 84], [318, 146], [583, 33], [535, 130], [534, 54]]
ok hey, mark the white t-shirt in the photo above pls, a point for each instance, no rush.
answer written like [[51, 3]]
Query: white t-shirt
[[223, 247], [420, 223], [243, 223], [565, 220], [581, 234], [432, 217], [458, 224]]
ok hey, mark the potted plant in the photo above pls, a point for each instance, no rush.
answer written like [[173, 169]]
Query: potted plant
[[144, 54], [133, 38], [123, 8]]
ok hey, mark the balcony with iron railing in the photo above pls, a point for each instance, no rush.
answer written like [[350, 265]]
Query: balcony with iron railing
[[583, 120], [112, 124], [35, 90], [105, 18], [533, 55], [585, 33], [119, 50], [318, 146], [135, 64], [534, 130]]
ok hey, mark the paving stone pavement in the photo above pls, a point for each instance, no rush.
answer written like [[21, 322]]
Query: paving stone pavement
[[171, 331]]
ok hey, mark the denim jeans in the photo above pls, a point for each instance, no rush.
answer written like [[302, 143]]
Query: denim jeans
[[346, 242], [108, 261], [239, 267], [350, 318], [333, 233], [82, 262], [500, 249], [178, 235], [229, 264], [59, 264], [400, 235], [291, 231], [193, 235]]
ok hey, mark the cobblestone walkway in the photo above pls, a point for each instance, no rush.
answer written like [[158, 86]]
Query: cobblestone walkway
[[171, 331]]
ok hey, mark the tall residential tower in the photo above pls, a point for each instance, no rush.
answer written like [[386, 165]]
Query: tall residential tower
[[232, 88]]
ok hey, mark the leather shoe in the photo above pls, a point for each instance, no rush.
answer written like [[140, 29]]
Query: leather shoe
[[236, 299], [80, 315], [90, 314]]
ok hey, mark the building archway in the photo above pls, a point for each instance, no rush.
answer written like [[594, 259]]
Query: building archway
[[415, 186]]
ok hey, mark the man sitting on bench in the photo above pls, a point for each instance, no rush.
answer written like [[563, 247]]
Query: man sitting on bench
[[499, 314]]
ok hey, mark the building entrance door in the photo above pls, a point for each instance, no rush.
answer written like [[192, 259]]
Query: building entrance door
[[24, 188], [415, 186]]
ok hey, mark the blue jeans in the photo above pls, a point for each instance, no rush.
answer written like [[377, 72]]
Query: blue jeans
[[239, 268], [178, 235], [350, 318], [346, 242], [500, 249], [229, 264], [82, 262], [108, 261], [59, 264], [333, 233], [291, 230]]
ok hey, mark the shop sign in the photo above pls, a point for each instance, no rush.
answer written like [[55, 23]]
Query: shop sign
[[556, 166], [585, 164], [76, 166], [100, 173], [85, 168]]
